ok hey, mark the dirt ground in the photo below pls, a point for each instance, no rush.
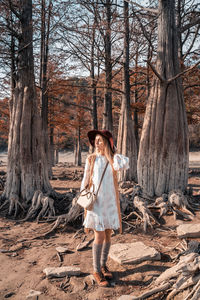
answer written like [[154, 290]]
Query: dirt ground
[[22, 267]]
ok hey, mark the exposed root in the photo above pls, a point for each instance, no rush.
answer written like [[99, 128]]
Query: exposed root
[[2, 183], [185, 274], [12, 204], [4, 204], [153, 291], [141, 205], [177, 203], [72, 215], [41, 206]]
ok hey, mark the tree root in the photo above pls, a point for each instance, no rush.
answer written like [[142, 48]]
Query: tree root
[[12, 204], [153, 291], [41, 206], [183, 275], [147, 216], [72, 215], [177, 203]]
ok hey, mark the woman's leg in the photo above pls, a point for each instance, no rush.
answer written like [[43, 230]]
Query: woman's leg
[[106, 247], [99, 237]]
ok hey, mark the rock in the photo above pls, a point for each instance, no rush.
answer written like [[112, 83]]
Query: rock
[[83, 245], [61, 249], [9, 295], [133, 253], [77, 284], [33, 295], [16, 247], [125, 297], [188, 230], [62, 271]]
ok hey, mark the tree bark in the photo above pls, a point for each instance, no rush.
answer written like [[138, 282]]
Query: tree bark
[[78, 159], [94, 86], [126, 142], [45, 27], [27, 164], [107, 115], [163, 155], [136, 124]]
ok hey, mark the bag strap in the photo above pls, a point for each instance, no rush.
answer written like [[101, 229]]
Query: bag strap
[[104, 171]]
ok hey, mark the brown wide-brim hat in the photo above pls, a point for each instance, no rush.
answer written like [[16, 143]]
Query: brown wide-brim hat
[[105, 133]]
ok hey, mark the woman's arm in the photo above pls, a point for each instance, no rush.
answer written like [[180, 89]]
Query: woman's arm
[[120, 162], [86, 176]]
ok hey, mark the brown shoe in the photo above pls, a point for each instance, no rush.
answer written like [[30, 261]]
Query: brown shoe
[[100, 279], [107, 274]]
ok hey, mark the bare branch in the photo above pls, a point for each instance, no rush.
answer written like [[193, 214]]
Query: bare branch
[[192, 43], [191, 24], [151, 10], [181, 73], [14, 10], [155, 71]]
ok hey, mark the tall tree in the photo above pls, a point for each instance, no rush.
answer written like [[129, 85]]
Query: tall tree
[[27, 169], [107, 115], [126, 142], [44, 55], [163, 154]]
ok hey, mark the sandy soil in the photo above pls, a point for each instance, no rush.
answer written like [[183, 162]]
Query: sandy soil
[[22, 267]]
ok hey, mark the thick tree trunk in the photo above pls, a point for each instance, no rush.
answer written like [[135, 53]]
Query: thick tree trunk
[[163, 154], [45, 27], [107, 115], [94, 88], [126, 142], [78, 159], [52, 148], [136, 125], [13, 67], [27, 165]]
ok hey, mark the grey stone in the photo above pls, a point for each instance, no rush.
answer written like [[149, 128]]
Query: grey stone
[[83, 245], [61, 249], [126, 297], [62, 271], [77, 284], [188, 230], [133, 253], [33, 295]]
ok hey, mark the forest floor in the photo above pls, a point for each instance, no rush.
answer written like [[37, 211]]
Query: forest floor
[[21, 269]]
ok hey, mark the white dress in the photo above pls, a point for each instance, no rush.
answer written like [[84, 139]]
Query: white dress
[[105, 213]]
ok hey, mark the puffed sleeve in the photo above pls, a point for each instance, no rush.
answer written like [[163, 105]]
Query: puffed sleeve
[[120, 162], [85, 180]]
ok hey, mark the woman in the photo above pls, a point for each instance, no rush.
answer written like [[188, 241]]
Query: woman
[[105, 215]]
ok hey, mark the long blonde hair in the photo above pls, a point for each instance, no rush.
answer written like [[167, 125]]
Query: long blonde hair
[[107, 151]]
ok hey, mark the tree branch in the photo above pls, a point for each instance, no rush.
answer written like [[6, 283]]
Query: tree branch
[[181, 73], [191, 24], [151, 10], [155, 71], [14, 10]]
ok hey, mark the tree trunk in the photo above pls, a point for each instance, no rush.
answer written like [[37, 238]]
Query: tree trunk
[[94, 88], [27, 164], [163, 154], [45, 26], [51, 144], [126, 143], [136, 125], [13, 68], [77, 151], [107, 115]]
